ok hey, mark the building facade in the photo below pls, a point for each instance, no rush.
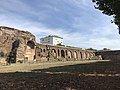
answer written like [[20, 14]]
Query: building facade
[[52, 40]]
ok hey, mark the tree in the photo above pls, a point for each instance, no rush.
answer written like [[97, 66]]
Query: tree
[[111, 8], [91, 49]]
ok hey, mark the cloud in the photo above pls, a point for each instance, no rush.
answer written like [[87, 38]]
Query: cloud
[[76, 39], [81, 3], [79, 25]]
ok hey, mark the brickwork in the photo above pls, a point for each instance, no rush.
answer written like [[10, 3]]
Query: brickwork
[[111, 54], [16, 44], [20, 46], [62, 52]]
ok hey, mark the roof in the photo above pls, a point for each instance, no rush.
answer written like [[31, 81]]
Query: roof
[[53, 36]]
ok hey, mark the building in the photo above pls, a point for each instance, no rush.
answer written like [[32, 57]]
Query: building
[[52, 40]]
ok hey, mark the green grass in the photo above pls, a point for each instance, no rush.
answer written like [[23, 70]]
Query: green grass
[[28, 67]]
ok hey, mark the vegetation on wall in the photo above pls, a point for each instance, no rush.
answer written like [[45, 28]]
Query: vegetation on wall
[[91, 49], [60, 44], [2, 54]]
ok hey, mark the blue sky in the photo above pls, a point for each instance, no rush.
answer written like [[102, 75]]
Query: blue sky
[[77, 21]]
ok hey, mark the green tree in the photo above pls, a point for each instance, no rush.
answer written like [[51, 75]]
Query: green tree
[[1, 54], [91, 49], [111, 8]]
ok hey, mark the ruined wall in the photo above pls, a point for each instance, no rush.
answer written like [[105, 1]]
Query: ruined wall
[[62, 53], [112, 55], [14, 43], [21, 46]]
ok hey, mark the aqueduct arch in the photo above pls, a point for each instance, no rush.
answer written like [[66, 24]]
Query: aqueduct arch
[[65, 52], [54, 53], [62, 53], [75, 55], [81, 56], [69, 54], [58, 52], [30, 51]]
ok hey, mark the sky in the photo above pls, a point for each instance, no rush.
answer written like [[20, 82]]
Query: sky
[[76, 21]]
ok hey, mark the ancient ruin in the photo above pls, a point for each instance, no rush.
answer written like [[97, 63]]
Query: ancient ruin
[[17, 45], [20, 46], [60, 53]]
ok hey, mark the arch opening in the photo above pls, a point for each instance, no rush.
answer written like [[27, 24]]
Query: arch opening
[[62, 53], [58, 52], [75, 55], [81, 55], [69, 54], [54, 53], [31, 44], [30, 51]]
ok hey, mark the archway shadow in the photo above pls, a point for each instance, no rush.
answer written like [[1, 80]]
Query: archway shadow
[[13, 52]]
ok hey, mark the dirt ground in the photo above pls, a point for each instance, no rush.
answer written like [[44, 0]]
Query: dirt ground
[[100, 75]]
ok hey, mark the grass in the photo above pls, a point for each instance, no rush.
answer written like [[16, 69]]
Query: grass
[[71, 75], [28, 67]]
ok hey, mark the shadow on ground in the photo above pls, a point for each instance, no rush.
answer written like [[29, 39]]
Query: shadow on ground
[[72, 80], [89, 68]]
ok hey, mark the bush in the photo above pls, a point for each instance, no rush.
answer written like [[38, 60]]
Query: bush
[[1, 54]]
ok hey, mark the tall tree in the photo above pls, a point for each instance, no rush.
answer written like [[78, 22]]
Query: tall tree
[[111, 8]]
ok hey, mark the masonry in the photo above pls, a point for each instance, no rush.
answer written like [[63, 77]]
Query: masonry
[[17, 45], [60, 53], [21, 46], [109, 54]]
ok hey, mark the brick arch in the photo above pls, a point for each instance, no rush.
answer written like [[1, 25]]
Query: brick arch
[[54, 53], [91, 55], [31, 44], [62, 53], [84, 55], [69, 54], [87, 55], [66, 52], [75, 55], [30, 51], [81, 56], [58, 51]]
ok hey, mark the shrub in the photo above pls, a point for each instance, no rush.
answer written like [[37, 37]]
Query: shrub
[[1, 54]]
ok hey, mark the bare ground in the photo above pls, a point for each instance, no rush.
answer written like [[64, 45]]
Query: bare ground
[[104, 75]]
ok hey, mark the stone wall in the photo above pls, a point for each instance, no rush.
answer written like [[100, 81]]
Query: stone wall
[[20, 46], [16, 44], [3, 61], [112, 54], [62, 53]]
